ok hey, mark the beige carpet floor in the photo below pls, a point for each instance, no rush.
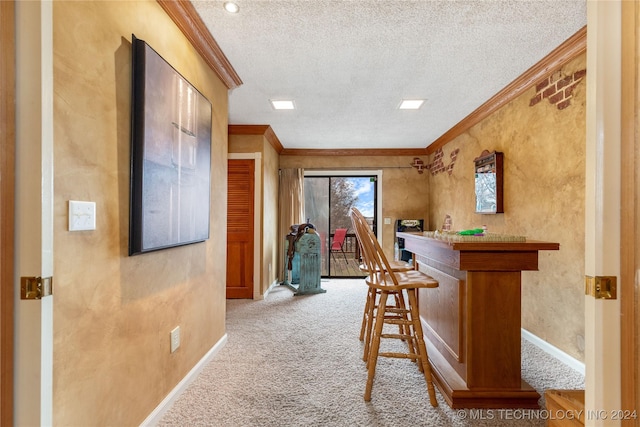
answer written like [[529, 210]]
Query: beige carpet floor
[[297, 361]]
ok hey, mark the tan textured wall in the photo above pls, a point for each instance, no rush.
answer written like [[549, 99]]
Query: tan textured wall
[[246, 143], [270, 234], [268, 210], [544, 190], [113, 313], [405, 192]]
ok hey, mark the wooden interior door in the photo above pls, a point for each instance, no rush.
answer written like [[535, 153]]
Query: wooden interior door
[[240, 212], [7, 192], [630, 236]]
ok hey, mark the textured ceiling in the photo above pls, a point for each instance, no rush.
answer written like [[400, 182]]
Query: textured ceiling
[[348, 64]]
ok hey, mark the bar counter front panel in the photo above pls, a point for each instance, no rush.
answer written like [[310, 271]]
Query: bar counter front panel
[[472, 320]]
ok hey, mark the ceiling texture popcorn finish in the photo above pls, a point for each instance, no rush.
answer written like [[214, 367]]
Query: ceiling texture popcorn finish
[[347, 65]]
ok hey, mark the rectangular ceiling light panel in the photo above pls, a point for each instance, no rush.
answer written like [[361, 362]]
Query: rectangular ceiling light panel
[[282, 104], [411, 104]]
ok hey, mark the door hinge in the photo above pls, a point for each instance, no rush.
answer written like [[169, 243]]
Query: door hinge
[[601, 287], [35, 287]]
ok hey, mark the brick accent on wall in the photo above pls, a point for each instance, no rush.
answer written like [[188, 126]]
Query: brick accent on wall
[[558, 89], [437, 166]]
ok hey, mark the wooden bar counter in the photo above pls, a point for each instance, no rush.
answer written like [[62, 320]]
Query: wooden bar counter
[[472, 320]]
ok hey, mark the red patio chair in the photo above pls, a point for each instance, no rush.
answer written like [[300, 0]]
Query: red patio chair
[[338, 242]]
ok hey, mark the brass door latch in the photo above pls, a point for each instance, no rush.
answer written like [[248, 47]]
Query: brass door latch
[[601, 287], [35, 287]]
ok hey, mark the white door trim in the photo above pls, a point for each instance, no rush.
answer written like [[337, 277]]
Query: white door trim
[[602, 209], [33, 378]]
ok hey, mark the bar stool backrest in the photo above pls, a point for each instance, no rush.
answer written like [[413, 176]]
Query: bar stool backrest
[[379, 269]]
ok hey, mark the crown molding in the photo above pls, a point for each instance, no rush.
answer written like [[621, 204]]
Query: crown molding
[[184, 15], [264, 130], [571, 48], [269, 134]]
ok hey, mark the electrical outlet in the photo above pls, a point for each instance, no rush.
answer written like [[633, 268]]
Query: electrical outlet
[[175, 338]]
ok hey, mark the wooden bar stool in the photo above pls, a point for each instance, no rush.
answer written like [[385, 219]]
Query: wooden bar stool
[[358, 221], [396, 312], [384, 281]]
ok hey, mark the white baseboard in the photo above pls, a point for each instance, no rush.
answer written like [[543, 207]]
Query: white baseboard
[[273, 285], [570, 361], [155, 416]]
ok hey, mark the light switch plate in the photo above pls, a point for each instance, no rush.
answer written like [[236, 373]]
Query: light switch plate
[[82, 215], [387, 221]]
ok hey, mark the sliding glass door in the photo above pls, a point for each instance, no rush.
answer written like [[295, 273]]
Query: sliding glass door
[[328, 200]]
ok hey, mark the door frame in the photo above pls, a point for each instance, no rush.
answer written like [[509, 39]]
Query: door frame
[[257, 218], [604, 238], [34, 217], [358, 172]]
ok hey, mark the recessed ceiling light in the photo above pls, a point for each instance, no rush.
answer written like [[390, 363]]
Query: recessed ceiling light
[[282, 104], [231, 7], [411, 104]]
